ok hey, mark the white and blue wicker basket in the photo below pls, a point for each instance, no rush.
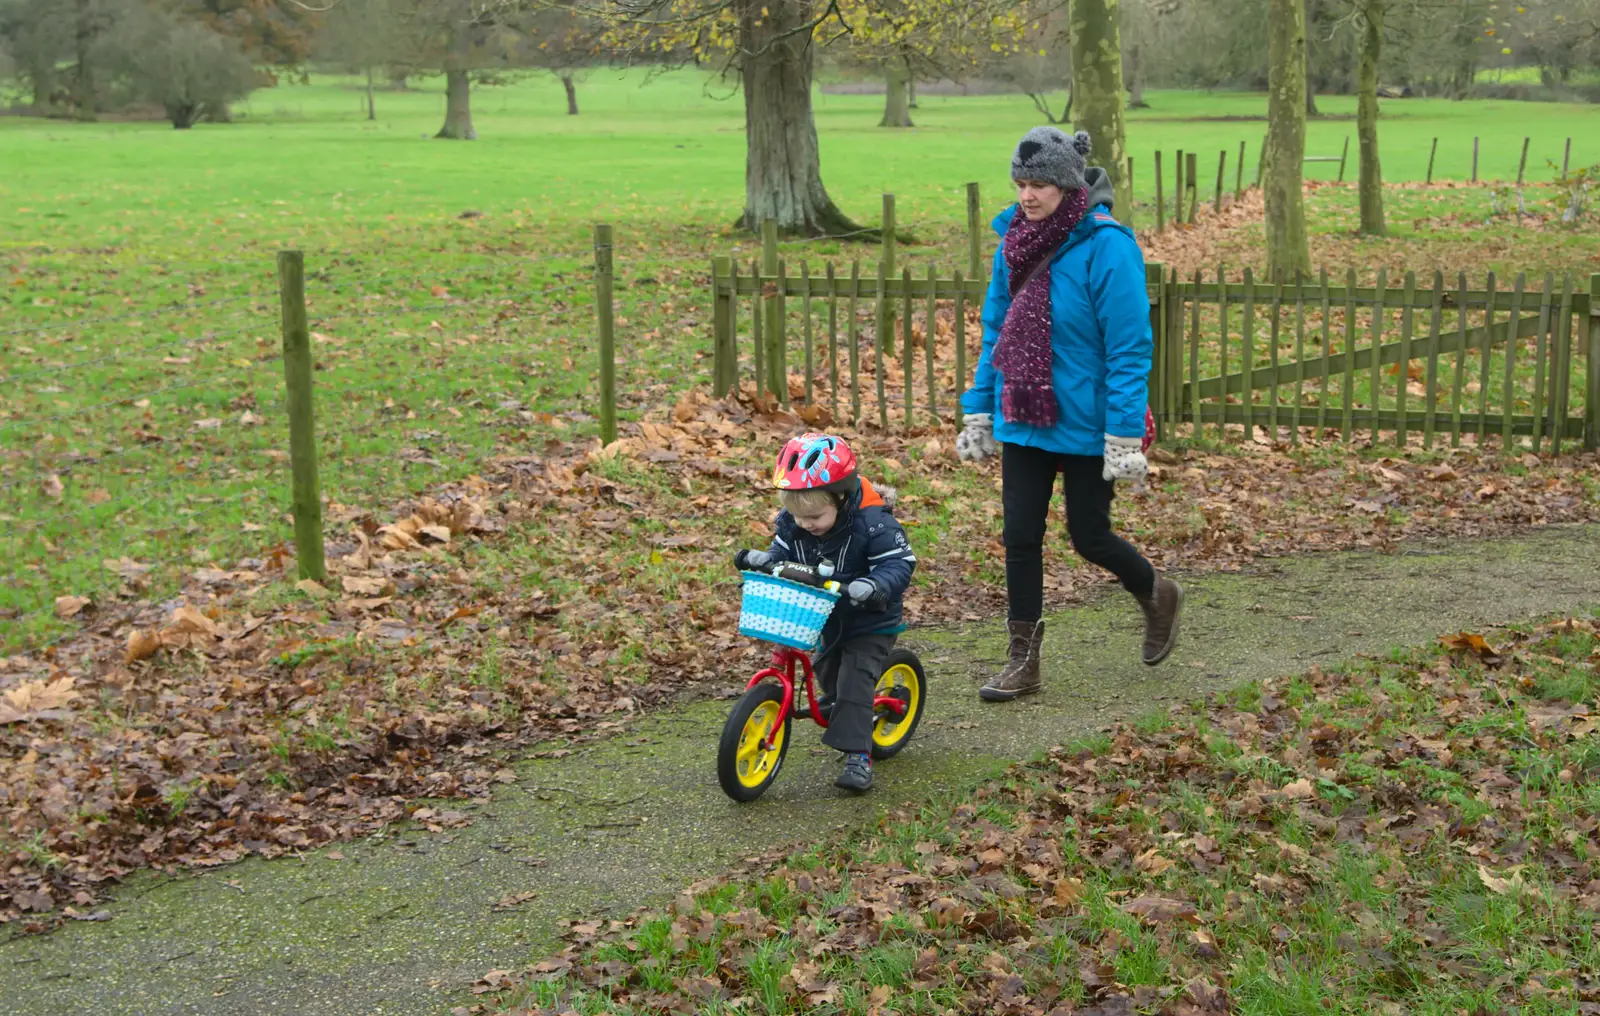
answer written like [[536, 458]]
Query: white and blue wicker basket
[[788, 613]]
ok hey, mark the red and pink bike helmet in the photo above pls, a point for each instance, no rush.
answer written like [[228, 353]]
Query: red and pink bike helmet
[[815, 462]]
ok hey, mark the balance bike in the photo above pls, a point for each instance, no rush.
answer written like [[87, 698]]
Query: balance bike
[[789, 606]]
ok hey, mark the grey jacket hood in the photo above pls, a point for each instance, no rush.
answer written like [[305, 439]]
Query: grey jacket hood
[[1098, 184]]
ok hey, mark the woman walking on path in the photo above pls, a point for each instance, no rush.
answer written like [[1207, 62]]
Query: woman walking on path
[[1061, 389]]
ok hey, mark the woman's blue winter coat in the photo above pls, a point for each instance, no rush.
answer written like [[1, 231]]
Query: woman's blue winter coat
[[1100, 334]]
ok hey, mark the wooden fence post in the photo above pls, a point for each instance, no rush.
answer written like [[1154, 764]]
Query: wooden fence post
[[959, 319], [1161, 200], [1131, 202], [1177, 189], [725, 348], [1431, 153], [1238, 184], [1191, 180], [1261, 160], [605, 319], [1522, 164], [974, 232], [306, 487], [1474, 160], [1222, 166], [1155, 390], [1591, 402], [886, 318], [772, 311], [1344, 157], [1566, 160]]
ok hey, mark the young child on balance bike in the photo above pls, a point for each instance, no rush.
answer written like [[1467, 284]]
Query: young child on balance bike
[[832, 516]]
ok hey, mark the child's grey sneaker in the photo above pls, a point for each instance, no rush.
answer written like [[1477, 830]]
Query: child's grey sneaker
[[857, 775]]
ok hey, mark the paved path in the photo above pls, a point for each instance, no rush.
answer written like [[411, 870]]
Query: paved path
[[404, 923]]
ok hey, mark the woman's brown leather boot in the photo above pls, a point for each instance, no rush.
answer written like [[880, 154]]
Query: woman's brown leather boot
[[1020, 675]]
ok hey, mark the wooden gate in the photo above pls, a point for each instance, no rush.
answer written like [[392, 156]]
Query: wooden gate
[[1393, 361]]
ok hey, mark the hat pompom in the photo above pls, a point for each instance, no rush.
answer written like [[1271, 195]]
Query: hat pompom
[[1081, 142]]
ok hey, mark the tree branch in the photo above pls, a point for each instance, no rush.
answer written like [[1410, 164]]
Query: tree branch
[[805, 29]]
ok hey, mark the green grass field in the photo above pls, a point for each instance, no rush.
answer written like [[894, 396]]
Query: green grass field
[[1257, 854], [141, 416]]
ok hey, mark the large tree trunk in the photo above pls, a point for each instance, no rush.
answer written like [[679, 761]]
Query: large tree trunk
[[1287, 252], [897, 96], [84, 38], [184, 114], [372, 106], [458, 85], [1371, 186], [1097, 89], [44, 85], [458, 106], [783, 170], [1135, 74], [572, 94], [1312, 10]]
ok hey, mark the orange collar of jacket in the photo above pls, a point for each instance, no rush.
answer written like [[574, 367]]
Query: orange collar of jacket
[[870, 498]]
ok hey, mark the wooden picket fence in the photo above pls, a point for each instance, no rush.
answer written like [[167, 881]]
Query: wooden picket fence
[[1396, 361]]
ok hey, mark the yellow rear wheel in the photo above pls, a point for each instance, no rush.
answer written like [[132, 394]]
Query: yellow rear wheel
[[903, 679], [755, 740]]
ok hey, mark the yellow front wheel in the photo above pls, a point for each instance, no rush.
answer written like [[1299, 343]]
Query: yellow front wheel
[[902, 679], [754, 741]]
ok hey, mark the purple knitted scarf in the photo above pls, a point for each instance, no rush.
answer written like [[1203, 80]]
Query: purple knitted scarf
[[1023, 352]]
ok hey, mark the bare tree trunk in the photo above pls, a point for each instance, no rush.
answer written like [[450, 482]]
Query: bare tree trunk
[[1097, 88], [572, 94], [1135, 73], [1287, 251], [783, 169], [1465, 47], [1312, 10], [184, 115], [458, 106], [1371, 185], [458, 79], [44, 86], [897, 95], [372, 108], [84, 37]]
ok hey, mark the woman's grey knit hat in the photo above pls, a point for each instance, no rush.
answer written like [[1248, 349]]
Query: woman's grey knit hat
[[1052, 156]]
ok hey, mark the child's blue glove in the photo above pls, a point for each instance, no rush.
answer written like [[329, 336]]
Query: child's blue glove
[[749, 560], [864, 592]]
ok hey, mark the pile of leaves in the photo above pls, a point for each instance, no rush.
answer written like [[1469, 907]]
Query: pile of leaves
[[555, 597], [1417, 834]]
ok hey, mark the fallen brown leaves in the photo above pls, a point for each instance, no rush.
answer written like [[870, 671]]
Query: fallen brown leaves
[[1445, 226], [242, 720], [1308, 831]]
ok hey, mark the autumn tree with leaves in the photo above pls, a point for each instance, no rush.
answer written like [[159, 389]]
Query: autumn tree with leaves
[[905, 39], [770, 45], [276, 33], [564, 40]]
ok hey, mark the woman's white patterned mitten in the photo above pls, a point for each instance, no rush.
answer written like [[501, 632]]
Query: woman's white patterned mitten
[[976, 440], [1124, 459]]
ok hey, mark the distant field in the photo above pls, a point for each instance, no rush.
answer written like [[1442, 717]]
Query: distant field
[[140, 390]]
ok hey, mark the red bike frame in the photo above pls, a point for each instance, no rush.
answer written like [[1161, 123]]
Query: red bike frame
[[783, 664]]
